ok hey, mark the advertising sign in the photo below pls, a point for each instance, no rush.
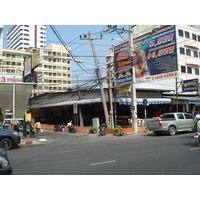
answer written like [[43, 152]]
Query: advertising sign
[[191, 85], [37, 58], [10, 78], [154, 55], [124, 77], [27, 67], [28, 117]]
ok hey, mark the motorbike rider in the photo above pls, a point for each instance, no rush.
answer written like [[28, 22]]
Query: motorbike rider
[[196, 125]]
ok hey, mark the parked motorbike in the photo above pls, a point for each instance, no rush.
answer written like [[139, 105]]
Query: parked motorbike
[[71, 127], [197, 139], [102, 129], [59, 128]]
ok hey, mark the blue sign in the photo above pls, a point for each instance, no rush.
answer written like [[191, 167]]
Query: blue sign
[[124, 77], [191, 85]]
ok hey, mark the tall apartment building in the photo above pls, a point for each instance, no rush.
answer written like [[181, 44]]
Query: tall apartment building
[[54, 74], [22, 37], [1, 40]]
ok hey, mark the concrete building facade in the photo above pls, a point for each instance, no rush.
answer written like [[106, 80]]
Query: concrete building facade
[[54, 74]]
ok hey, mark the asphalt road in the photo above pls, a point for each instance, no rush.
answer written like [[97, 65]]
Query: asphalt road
[[78, 154]]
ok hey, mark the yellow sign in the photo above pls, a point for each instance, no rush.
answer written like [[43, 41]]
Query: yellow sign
[[28, 117], [37, 58], [123, 89]]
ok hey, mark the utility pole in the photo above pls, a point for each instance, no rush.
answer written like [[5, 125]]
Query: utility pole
[[98, 74], [79, 106], [133, 88]]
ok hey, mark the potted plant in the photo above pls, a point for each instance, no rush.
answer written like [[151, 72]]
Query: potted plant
[[118, 130], [92, 130]]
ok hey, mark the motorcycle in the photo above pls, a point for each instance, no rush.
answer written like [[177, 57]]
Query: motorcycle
[[102, 129], [71, 128], [59, 128], [197, 139]]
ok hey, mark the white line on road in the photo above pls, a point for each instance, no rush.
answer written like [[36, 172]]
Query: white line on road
[[197, 148], [67, 151], [100, 163]]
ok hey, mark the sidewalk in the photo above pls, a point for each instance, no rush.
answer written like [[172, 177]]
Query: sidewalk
[[33, 140]]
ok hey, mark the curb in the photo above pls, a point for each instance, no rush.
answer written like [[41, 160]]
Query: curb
[[31, 142]]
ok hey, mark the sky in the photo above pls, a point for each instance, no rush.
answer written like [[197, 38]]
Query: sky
[[81, 49]]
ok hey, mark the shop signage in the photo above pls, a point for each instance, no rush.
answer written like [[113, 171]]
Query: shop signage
[[191, 85], [124, 77]]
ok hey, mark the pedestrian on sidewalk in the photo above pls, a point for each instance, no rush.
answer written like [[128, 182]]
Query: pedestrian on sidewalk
[[38, 127]]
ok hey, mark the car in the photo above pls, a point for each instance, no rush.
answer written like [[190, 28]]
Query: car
[[9, 138], [5, 167]]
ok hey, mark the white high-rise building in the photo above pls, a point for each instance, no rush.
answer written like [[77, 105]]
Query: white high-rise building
[[21, 37]]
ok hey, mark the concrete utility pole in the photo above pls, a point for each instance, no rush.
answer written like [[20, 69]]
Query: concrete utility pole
[[79, 106], [98, 75], [133, 88]]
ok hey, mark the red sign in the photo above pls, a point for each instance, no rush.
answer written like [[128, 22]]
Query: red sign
[[124, 64]]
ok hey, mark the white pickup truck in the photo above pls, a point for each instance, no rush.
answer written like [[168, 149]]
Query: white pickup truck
[[171, 123]]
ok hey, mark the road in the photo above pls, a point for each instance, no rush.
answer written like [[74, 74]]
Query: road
[[78, 154]]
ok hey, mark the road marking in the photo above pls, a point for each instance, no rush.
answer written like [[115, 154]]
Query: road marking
[[101, 163], [67, 151], [194, 148]]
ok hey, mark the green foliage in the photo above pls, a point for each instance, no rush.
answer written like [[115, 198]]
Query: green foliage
[[117, 128]]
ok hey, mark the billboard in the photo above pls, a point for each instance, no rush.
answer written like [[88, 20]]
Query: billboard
[[154, 55]]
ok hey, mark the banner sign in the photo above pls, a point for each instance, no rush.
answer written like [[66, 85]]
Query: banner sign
[[191, 85], [10, 78], [154, 54], [37, 58], [124, 77]]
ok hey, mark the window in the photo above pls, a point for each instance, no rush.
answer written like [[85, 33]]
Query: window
[[196, 71], [187, 116], [198, 38], [180, 116], [182, 50], [187, 34], [64, 54], [194, 37], [189, 70], [183, 69], [188, 52], [196, 54], [180, 32]]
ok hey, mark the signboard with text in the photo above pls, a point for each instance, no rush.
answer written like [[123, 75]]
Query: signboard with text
[[37, 58], [191, 85], [124, 77], [154, 55], [10, 78]]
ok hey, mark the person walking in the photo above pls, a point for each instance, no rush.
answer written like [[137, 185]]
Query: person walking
[[38, 127]]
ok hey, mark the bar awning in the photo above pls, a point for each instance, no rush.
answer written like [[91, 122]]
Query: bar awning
[[127, 101], [67, 103], [190, 100]]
